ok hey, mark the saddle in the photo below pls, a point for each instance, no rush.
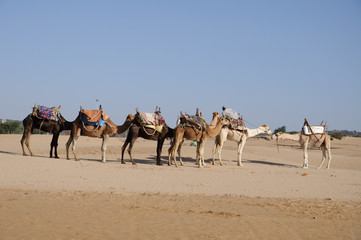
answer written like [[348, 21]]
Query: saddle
[[194, 121], [151, 120], [308, 129], [93, 117], [236, 124], [43, 112]]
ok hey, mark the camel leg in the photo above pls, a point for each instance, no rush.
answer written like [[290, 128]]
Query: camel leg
[[54, 144], [123, 149], [73, 148], [215, 149], [177, 148], [179, 151], [240, 151], [218, 145], [172, 152], [131, 143], [74, 135], [329, 156], [200, 154], [104, 147], [325, 152], [159, 150], [26, 139], [70, 140], [305, 154]]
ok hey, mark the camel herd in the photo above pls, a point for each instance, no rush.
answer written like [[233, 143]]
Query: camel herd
[[218, 129]]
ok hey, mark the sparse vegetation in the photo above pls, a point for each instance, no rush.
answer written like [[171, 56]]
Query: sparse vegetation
[[336, 134], [280, 129]]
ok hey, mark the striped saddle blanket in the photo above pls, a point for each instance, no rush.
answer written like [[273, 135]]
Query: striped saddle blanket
[[46, 112]]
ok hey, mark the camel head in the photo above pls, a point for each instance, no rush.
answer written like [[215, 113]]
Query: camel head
[[130, 118], [224, 121], [276, 135], [265, 128], [216, 115]]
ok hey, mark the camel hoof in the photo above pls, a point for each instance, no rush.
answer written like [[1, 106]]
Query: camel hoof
[[305, 167], [76, 159], [134, 164], [104, 161], [159, 164]]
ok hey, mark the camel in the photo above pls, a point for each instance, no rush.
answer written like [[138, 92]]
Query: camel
[[237, 136], [321, 140], [182, 132], [108, 129], [139, 130], [32, 122]]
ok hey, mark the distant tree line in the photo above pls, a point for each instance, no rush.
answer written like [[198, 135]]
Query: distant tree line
[[11, 127], [335, 134]]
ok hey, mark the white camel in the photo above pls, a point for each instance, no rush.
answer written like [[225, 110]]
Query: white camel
[[321, 140], [237, 136]]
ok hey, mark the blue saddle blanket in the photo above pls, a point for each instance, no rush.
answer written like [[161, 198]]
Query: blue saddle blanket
[[101, 122]]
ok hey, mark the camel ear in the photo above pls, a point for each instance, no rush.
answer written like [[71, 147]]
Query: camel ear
[[59, 107], [100, 107], [137, 110], [81, 108]]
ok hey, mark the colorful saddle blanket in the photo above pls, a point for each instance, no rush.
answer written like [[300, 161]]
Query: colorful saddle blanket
[[94, 117], [151, 120], [46, 112], [193, 120], [237, 124]]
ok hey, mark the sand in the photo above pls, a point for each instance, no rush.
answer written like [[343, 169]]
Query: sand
[[270, 197]]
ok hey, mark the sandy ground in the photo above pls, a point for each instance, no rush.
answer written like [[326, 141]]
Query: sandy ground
[[270, 197]]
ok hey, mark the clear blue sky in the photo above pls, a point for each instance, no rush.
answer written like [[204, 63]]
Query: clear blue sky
[[275, 62]]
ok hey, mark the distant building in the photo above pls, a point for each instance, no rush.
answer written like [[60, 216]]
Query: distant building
[[3, 120]]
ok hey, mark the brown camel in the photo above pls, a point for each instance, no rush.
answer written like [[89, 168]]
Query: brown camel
[[108, 129], [32, 122], [321, 140], [139, 130], [183, 131]]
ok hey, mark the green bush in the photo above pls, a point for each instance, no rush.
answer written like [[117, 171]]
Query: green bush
[[336, 134], [280, 129]]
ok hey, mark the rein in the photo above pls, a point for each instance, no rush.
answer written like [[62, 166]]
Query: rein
[[95, 129], [149, 134]]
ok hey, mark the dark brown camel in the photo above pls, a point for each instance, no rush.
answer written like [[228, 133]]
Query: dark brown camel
[[32, 122], [137, 130]]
